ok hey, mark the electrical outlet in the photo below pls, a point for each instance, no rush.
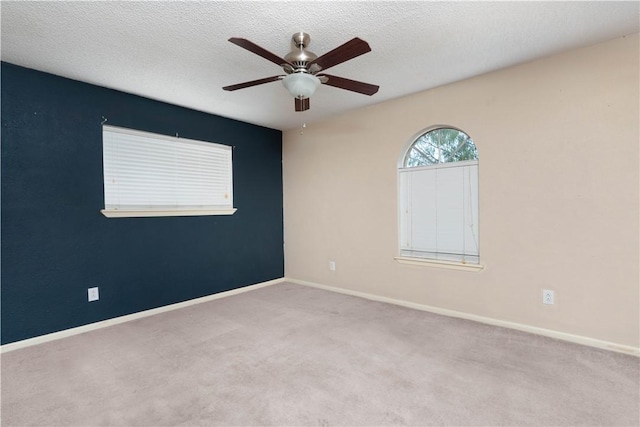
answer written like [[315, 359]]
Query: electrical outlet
[[548, 297], [332, 265], [93, 294]]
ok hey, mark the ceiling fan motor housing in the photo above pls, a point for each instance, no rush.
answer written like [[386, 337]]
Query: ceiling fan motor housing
[[299, 57]]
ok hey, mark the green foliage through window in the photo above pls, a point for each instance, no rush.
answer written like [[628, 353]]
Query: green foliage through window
[[441, 146]]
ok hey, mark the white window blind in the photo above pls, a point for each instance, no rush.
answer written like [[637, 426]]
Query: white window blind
[[148, 172], [439, 212]]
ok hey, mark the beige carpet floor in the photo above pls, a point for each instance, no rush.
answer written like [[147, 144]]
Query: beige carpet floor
[[293, 355]]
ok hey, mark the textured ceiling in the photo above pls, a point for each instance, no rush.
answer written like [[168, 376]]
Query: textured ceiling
[[178, 52]]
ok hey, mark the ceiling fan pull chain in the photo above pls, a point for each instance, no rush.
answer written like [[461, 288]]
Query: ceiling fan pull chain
[[303, 125]]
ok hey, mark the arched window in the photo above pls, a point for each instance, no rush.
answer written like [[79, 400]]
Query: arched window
[[442, 145], [438, 177]]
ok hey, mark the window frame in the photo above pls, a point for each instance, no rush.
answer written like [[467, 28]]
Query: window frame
[[420, 261], [162, 211]]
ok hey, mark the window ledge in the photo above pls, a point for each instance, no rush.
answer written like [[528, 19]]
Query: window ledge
[[421, 262], [124, 213]]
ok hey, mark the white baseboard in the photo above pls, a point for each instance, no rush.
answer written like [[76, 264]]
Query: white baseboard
[[578, 339], [129, 317]]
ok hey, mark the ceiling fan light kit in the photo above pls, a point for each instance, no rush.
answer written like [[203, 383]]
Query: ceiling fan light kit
[[302, 68], [301, 85]]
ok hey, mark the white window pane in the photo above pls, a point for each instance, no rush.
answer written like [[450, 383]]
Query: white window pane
[[439, 212], [423, 198], [471, 246], [450, 210], [405, 213]]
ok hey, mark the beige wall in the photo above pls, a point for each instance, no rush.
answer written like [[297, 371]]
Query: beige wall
[[559, 180]]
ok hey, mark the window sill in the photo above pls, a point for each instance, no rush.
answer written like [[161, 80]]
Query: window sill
[[122, 213], [420, 262]]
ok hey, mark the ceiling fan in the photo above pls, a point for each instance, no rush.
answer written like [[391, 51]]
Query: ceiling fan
[[305, 70]]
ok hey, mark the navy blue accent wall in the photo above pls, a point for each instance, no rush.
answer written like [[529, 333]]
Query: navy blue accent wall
[[56, 243]]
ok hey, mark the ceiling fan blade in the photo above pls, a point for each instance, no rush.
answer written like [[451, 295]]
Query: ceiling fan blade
[[252, 47], [349, 50], [352, 85], [302, 104], [253, 83]]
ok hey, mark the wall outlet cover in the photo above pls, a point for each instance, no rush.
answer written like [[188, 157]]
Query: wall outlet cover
[[93, 294]]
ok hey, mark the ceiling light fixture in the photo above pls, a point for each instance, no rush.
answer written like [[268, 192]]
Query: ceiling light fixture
[[305, 70], [301, 85]]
